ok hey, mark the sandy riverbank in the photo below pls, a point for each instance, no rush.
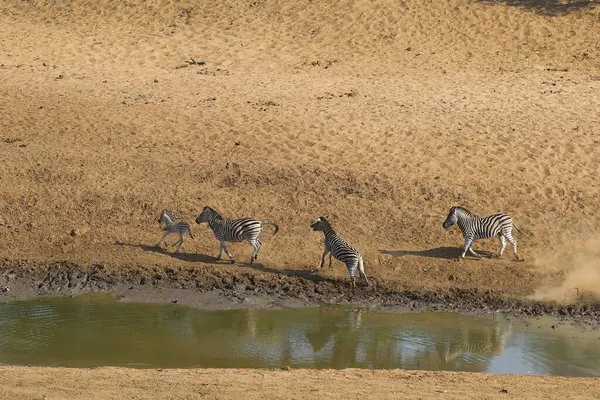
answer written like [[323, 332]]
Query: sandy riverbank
[[118, 383], [105, 123]]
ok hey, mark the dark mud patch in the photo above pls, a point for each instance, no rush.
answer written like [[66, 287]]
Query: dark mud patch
[[218, 287]]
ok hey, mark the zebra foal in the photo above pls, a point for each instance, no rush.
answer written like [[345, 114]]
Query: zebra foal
[[474, 227], [173, 226], [338, 248], [234, 230]]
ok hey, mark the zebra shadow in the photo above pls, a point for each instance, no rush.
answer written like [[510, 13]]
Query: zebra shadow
[[191, 257], [204, 258], [446, 253], [546, 7]]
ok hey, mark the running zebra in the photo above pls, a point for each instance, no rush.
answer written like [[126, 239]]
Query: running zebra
[[172, 226], [475, 227], [234, 230], [338, 248]]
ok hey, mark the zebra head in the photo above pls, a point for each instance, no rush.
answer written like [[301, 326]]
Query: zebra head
[[166, 217], [206, 215], [320, 224], [451, 219]]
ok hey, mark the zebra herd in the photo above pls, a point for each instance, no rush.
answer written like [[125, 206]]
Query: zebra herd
[[473, 227]]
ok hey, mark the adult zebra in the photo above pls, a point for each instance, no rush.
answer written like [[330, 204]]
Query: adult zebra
[[338, 248], [234, 230], [475, 227]]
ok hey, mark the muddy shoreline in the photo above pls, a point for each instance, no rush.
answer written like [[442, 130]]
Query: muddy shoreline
[[215, 287]]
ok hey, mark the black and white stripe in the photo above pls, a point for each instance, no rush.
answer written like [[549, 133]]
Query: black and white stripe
[[475, 227], [234, 230], [173, 226], [338, 248]]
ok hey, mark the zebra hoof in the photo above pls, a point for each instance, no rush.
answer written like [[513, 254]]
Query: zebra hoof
[[232, 261]]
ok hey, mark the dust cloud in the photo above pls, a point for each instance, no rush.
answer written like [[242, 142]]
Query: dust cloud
[[580, 263]]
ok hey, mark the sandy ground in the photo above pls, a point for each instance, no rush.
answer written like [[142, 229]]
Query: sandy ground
[[20, 383], [379, 117]]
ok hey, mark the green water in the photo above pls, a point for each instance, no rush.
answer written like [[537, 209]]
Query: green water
[[96, 330]]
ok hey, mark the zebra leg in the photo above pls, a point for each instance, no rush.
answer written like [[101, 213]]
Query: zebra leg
[[513, 242], [466, 247], [361, 271], [218, 257], [502, 244], [323, 258], [256, 244], [179, 247], [180, 241], [224, 246], [330, 257], [351, 270], [162, 239], [473, 251]]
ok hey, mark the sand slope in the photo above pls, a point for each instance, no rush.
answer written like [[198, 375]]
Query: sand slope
[[380, 117]]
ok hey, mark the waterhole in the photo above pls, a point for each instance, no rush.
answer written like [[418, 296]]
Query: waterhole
[[96, 330]]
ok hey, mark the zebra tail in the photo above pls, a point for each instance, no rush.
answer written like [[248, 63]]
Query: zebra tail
[[190, 233], [518, 230], [272, 224]]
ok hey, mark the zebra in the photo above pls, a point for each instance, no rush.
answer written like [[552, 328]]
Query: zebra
[[485, 341], [476, 227], [338, 248], [234, 230], [173, 226]]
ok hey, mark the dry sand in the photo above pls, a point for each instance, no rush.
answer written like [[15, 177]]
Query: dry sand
[[24, 383], [380, 116]]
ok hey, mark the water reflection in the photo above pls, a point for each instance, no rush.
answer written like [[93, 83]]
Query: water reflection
[[95, 330], [416, 341]]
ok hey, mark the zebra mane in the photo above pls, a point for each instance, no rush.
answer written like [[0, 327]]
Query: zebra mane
[[464, 210], [169, 214], [326, 223], [217, 214]]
